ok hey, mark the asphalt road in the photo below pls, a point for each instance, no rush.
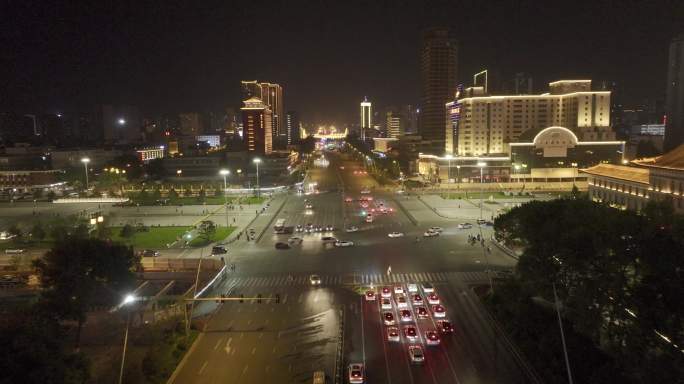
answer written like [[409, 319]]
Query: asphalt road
[[245, 342]]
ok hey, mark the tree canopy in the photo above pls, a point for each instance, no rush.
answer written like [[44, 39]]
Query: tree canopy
[[619, 275], [79, 273]]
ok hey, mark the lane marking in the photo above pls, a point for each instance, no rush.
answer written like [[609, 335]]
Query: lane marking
[[253, 350], [363, 334], [218, 342], [203, 366]]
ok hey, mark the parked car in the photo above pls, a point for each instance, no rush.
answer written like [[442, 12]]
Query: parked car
[[149, 253], [219, 250], [280, 245]]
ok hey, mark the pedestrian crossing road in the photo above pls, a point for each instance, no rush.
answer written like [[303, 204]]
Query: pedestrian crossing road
[[359, 279]]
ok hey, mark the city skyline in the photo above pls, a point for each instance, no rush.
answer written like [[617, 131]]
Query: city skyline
[[121, 61]]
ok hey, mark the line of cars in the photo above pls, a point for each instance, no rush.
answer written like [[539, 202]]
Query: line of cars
[[411, 304]]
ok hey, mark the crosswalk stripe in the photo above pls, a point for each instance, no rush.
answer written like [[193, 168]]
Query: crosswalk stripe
[[378, 279]]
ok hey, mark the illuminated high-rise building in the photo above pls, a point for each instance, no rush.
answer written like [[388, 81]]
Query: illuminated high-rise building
[[257, 126], [366, 117], [674, 107], [395, 123], [272, 95], [438, 75], [292, 126], [478, 124]]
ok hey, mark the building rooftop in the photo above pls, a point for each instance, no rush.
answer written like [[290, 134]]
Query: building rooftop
[[671, 160], [623, 172]]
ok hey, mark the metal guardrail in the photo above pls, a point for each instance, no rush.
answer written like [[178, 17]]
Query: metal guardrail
[[102, 200], [340, 348]]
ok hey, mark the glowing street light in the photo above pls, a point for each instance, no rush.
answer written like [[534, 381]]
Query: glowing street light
[[225, 173], [85, 162], [481, 164], [458, 176], [128, 300], [121, 121], [449, 157], [257, 161]]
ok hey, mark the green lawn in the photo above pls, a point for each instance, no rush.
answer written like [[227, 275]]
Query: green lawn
[[220, 234], [155, 238]]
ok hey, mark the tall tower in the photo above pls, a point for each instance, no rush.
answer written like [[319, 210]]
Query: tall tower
[[270, 94], [674, 107], [292, 126], [438, 75], [366, 117], [257, 123]]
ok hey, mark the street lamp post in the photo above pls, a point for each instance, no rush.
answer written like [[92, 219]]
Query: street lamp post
[[128, 300], [225, 173], [449, 157], [458, 176], [85, 162], [481, 165], [257, 161], [516, 168]]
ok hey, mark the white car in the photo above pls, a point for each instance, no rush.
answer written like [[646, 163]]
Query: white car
[[328, 239], [392, 334], [413, 288], [465, 226], [295, 240], [386, 292], [365, 191], [398, 289], [416, 354], [395, 234], [427, 287], [430, 234], [438, 311], [353, 228], [436, 229], [401, 301], [431, 337], [432, 299], [356, 373], [344, 243], [385, 303], [315, 280]]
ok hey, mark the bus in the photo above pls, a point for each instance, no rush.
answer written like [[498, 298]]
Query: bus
[[279, 226], [281, 229]]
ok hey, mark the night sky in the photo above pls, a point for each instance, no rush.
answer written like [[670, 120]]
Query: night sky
[[191, 56]]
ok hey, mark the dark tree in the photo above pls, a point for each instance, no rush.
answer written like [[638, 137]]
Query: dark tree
[[127, 231], [155, 169], [33, 351], [38, 231], [79, 273], [206, 230]]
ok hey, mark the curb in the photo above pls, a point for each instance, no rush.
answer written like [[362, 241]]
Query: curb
[[272, 218], [184, 359], [406, 212]]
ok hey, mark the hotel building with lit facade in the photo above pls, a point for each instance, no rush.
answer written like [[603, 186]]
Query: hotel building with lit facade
[[526, 137]]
